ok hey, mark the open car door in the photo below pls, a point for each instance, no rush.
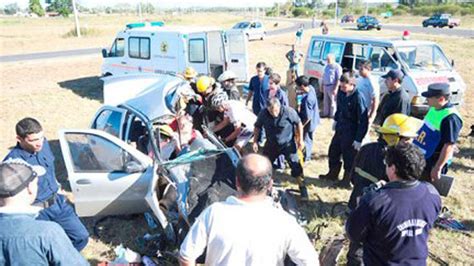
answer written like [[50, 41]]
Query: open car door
[[237, 54], [107, 176]]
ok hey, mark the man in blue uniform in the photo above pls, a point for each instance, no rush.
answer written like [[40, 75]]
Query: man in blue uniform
[[309, 114], [33, 148], [350, 123], [257, 89], [284, 136], [393, 222], [439, 134]]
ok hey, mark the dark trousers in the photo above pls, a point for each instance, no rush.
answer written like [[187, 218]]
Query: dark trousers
[[341, 145], [355, 254], [289, 150], [62, 213], [308, 143]]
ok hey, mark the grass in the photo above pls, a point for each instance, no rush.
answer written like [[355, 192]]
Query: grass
[[65, 93]]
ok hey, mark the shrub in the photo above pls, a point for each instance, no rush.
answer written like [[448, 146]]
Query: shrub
[[302, 12], [36, 8], [399, 12], [85, 31], [358, 11], [328, 13]]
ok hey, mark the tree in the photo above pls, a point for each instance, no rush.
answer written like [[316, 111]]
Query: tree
[[11, 9], [63, 7], [36, 8]]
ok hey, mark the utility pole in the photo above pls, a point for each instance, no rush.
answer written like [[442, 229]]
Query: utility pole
[[76, 18], [335, 16], [140, 10], [366, 7]]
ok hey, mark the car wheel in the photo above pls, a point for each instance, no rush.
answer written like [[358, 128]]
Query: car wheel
[[451, 26], [379, 28], [263, 36], [247, 36], [424, 25]]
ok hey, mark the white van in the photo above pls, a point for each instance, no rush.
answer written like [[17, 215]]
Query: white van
[[422, 62], [152, 48]]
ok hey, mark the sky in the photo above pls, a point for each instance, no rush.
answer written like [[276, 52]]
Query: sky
[[165, 3]]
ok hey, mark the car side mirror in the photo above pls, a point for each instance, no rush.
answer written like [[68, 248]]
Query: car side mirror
[[132, 167], [104, 53]]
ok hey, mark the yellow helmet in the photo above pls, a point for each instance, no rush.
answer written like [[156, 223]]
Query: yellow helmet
[[399, 125], [203, 83], [189, 73], [166, 130]]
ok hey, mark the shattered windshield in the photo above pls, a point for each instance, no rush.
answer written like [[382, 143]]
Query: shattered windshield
[[424, 57]]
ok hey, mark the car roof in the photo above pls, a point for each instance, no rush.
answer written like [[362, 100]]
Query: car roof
[[388, 42], [152, 101], [177, 29]]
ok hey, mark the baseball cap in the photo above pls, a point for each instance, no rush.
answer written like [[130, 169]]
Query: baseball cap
[[436, 89], [15, 175], [394, 74]]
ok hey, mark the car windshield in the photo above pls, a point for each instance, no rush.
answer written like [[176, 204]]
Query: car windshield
[[424, 57], [241, 25]]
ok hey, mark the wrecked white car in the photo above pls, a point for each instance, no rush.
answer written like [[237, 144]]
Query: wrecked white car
[[119, 166]]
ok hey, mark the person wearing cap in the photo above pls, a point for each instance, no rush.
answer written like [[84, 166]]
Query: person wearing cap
[[393, 221], [25, 240], [369, 166], [350, 125], [284, 136], [33, 148], [396, 100], [309, 114], [247, 229], [227, 80], [330, 85], [440, 132], [208, 88]]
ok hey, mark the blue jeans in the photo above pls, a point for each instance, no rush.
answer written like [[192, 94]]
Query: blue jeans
[[308, 143], [63, 214]]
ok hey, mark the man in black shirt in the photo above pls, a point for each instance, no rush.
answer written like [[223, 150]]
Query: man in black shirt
[[396, 100]]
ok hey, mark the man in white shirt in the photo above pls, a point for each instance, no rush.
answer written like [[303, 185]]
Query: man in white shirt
[[237, 114], [248, 229]]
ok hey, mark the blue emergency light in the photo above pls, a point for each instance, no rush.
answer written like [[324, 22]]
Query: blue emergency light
[[144, 24]]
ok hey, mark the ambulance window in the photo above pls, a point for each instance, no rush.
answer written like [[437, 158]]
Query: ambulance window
[[118, 47], [316, 49], [333, 48], [139, 47], [382, 60], [196, 51]]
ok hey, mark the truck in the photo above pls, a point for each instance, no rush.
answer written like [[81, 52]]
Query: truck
[[441, 20], [422, 62], [160, 49]]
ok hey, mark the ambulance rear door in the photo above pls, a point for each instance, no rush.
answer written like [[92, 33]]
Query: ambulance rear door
[[237, 54]]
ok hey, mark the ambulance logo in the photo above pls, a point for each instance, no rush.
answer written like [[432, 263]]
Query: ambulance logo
[[164, 47]]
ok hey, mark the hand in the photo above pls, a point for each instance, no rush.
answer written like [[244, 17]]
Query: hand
[[356, 145], [300, 145], [334, 125], [435, 173], [255, 147], [381, 183], [334, 92]]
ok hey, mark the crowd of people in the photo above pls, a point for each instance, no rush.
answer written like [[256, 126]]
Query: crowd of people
[[392, 210]]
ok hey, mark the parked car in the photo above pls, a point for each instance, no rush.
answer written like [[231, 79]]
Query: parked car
[[254, 30], [368, 22], [441, 20], [348, 19], [120, 165]]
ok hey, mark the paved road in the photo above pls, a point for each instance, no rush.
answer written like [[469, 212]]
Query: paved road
[[467, 33]]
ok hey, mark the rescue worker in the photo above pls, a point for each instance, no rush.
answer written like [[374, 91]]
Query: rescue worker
[[330, 85], [227, 80], [190, 74], [393, 222], [284, 136], [208, 88], [237, 115], [396, 100], [350, 125], [257, 87], [369, 167], [440, 132], [309, 114]]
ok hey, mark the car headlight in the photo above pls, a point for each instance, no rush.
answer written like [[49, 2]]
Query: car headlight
[[418, 100]]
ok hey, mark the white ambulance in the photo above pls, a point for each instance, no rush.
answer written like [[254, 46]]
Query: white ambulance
[[154, 48], [422, 62]]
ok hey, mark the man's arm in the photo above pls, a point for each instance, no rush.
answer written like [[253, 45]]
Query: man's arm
[[444, 156], [358, 223], [249, 96], [61, 250], [373, 106], [300, 250], [235, 133], [299, 135], [222, 124], [196, 240], [363, 119]]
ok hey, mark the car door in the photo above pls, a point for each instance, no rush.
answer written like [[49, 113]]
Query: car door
[[115, 60], [107, 176], [237, 53], [314, 64]]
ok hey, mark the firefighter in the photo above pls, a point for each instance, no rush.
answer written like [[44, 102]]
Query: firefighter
[[227, 80], [369, 165], [439, 134]]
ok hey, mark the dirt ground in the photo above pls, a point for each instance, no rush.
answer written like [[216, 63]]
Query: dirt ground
[[65, 94]]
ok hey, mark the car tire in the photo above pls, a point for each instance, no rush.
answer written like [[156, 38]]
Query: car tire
[[248, 37], [424, 25], [379, 28], [263, 36], [451, 26]]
